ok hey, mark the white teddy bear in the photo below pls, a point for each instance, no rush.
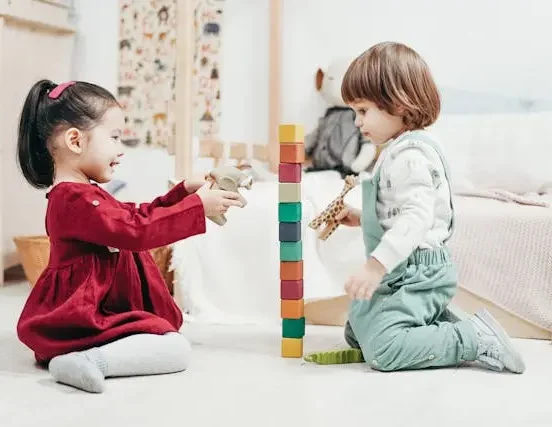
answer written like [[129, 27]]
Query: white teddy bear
[[336, 143]]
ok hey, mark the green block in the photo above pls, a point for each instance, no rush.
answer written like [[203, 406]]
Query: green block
[[289, 212], [293, 328], [291, 251]]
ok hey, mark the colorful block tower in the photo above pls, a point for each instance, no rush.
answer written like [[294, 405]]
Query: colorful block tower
[[292, 156]]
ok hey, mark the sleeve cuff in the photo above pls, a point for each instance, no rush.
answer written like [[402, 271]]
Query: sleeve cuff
[[200, 220], [180, 190], [175, 195], [387, 255]]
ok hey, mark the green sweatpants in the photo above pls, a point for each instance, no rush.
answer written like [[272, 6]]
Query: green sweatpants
[[406, 323]]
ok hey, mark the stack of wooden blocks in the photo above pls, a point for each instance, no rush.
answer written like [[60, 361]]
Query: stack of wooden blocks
[[292, 157]]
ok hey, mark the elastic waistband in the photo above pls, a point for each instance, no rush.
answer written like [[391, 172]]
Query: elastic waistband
[[430, 257]]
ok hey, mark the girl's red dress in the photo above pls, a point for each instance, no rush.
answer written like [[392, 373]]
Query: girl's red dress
[[90, 294]]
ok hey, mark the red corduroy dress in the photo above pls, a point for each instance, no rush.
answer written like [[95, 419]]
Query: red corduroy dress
[[91, 294]]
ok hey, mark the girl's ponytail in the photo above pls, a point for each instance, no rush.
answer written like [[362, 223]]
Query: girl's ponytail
[[33, 154], [49, 109]]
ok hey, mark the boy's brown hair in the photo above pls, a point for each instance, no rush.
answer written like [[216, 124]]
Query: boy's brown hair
[[395, 78]]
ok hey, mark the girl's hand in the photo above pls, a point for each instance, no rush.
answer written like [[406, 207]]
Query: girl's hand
[[362, 284], [193, 186], [216, 202], [349, 216]]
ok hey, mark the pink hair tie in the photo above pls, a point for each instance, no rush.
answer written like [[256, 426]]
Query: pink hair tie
[[57, 91]]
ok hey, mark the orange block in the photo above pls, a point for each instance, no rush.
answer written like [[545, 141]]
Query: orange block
[[292, 309], [291, 270], [292, 153]]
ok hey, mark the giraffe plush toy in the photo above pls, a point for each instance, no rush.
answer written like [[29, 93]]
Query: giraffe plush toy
[[328, 215]]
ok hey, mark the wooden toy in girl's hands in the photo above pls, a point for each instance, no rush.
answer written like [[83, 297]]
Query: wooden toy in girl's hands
[[229, 178]]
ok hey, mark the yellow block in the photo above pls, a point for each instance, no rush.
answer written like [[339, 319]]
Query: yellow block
[[290, 192], [292, 347], [291, 134]]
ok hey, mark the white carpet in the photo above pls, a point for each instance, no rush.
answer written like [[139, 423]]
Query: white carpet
[[237, 377]]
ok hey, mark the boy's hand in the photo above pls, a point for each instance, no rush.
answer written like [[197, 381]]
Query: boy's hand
[[362, 284], [349, 216]]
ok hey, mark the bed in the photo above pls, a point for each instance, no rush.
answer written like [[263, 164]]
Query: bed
[[504, 253], [223, 277], [502, 243]]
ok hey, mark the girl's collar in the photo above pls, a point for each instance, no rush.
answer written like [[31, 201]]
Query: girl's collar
[[62, 183]]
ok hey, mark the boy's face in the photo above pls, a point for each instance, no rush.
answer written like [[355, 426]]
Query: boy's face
[[376, 125]]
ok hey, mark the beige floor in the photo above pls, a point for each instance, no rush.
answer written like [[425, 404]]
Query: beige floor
[[238, 379]]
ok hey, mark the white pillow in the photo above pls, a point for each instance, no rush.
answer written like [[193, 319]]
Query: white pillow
[[505, 151]]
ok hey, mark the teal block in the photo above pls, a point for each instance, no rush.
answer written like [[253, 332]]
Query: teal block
[[293, 328], [289, 212], [291, 251]]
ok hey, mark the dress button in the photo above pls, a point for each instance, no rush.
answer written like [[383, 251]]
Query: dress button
[[374, 362], [95, 203], [431, 357]]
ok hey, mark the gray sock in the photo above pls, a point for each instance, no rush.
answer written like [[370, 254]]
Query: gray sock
[[77, 370], [141, 354]]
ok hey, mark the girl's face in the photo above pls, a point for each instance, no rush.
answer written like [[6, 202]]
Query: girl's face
[[376, 125], [102, 150]]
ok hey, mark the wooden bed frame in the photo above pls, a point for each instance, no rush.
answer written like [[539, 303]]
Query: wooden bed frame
[[331, 311]]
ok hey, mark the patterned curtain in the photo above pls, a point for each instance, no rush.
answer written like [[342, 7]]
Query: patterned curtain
[[147, 62]]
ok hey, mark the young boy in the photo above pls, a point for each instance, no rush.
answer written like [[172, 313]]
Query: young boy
[[398, 317]]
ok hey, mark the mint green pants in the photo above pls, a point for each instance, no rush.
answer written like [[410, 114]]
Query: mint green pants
[[406, 323]]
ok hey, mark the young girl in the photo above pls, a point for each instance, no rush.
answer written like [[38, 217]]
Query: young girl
[[101, 308], [398, 318]]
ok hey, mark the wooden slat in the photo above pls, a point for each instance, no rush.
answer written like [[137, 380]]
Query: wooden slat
[[211, 148], [275, 82], [515, 325], [260, 153], [238, 151], [205, 148], [182, 145]]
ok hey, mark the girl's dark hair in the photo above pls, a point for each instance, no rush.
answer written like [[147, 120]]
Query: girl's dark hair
[[81, 105]]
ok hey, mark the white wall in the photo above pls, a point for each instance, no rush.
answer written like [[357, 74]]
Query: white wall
[[471, 45], [96, 46], [480, 45]]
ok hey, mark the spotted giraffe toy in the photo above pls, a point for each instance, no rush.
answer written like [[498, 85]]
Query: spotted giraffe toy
[[328, 215]]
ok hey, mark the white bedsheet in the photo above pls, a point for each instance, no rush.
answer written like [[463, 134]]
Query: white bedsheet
[[231, 273]]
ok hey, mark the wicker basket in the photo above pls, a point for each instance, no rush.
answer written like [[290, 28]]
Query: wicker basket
[[34, 252]]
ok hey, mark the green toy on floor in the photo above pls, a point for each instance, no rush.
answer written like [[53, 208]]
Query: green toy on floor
[[340, 356], [336, 357]]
